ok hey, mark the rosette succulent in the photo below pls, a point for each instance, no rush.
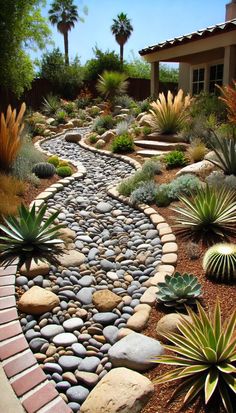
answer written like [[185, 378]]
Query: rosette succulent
[[179, 290]]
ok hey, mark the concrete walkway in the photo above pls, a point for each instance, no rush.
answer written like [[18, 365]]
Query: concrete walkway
[[9, 403]]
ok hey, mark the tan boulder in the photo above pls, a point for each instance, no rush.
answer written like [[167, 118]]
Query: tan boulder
[[201, 169], [39, 268], [120, 391], [67, 234], [71, 258], [100, 143], [138, 320], [169, 324], [73, 136], [37, 300], [106, 300], [108, 135]]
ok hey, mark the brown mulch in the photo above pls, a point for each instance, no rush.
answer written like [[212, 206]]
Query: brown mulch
[[226, 294], [31, 191]]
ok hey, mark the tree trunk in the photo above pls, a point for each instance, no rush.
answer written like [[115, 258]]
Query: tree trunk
[[66, 47], [121, 53]]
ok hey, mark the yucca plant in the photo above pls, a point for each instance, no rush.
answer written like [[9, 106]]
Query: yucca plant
[[229, 98], [225, 152], [178, 290], [112, 84], [11, 128], [205, 355], [168, 115], [209, 213], [219, 262], [29, 236], [50, 104]]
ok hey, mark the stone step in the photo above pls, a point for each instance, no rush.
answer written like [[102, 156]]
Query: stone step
[[151, 152], [160, 146], [155, 136]]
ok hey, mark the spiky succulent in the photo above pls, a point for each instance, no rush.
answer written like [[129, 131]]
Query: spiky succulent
[[44, 170], [219, 262], [29, 236], [178, 290], [204, 357]]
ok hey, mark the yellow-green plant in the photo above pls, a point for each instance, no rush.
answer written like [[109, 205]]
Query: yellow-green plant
[[11, 128], [112, 84], [204, 356], [197, 150], [169, 114]]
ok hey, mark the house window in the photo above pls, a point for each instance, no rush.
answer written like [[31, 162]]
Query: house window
[[216, 77], [198, 80]]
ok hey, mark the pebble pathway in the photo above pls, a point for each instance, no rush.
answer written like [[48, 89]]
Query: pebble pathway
[[122, 250]]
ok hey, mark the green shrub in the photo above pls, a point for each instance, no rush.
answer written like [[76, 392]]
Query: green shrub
[[44, 170], [64, 171], [127, 186], [94, 111], [61, 116], [152, 167], [104, 123], [218, 179], [27, 157], [144, 105], [145, 193], [102, 61], [123, 144], [206, 104], [203, 356], [175, 159], [125, 101], [183, 185], [209, 214], [162, 198], [51, 104], [54, 160], [112, 84], [219, 262], [146, 130], [93, 139]]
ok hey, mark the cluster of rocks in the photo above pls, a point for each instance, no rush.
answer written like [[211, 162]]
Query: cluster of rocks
[[78, 317]]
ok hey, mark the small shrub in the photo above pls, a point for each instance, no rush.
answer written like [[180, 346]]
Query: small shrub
[[162, 198], [51, 104], [123, 144], [64, 171], [27, 157], [94, 111], [183, 185], [44, 170], [34, 180], [69, 107], [84, 99], [146, 130], [175, 159], [125, 101], [122, 127], [127, 186], [93, 139], [145, 193], [112, 84], [152, 167], [11, 185], [61, 116], [206, 104], [218, 179], [137, 130], [54, 160], [104, 123], [219, 262], [33, 122], [196, 151]]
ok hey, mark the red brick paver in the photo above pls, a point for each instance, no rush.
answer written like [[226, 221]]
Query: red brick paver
[[8, 315], [10, 330], [28, 381], [40, 398], [13, 347], [7, 302], [7, 290], [19, 364]]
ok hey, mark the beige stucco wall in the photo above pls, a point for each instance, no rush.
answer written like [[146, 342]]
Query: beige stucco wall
[[184, 77]]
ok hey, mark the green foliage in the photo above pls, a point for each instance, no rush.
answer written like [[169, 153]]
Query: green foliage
[[141, 69], [144, 105], [219, 262], [218, 179], [69, 108], [145, 193], [123, 144], [102, 61], [34, 180], [162, 198], [146, 130], [125, 101], [22, 28], [29, 236], [205, 105], [121, 29], [93, 139], [122, 127], [152, 167], [63, 163], [50, 104], [27, 157], [112, 84], [183, 185], [178, 290], [208, 214], [104, 122], [44, 170], [225, 152], [64, 171], [204, 353], [127, 186], [175, 159], [197, 150], [54, 160], [61, 116]]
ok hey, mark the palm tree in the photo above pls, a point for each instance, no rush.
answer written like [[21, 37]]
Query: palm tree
[[64, 14], [122, 29]]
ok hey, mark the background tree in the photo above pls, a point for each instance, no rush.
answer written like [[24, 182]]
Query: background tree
[[64, 14], [22, 28], [108, 60], [122, 29]]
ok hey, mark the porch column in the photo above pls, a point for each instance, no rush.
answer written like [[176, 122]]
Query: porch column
[[229, 64], [154, 79]]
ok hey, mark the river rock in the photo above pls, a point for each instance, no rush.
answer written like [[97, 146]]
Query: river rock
[[71, 258], [106, 300], [39, 268], [169, 324], [37, 301]]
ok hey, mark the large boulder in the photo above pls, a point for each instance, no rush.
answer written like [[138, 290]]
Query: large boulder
[[39, 268], [169, 324], [100, 143], [135, 352], [71, 258], [120, 391], [106, 300], [145, 120], [201, 169], [37, 301], [73, 137], [108, 135]]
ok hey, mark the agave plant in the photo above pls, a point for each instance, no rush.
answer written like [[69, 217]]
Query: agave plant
[[50, 104], [205, 355], [11, 128], [168, 115], [225, 152], [29, 236], [219, 262], [112, 84], [209, 213], [178, 290]]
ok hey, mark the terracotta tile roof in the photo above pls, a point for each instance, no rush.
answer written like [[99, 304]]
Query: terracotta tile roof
[[199, 34]]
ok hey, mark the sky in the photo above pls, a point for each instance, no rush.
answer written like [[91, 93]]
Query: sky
[[153, 21]]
